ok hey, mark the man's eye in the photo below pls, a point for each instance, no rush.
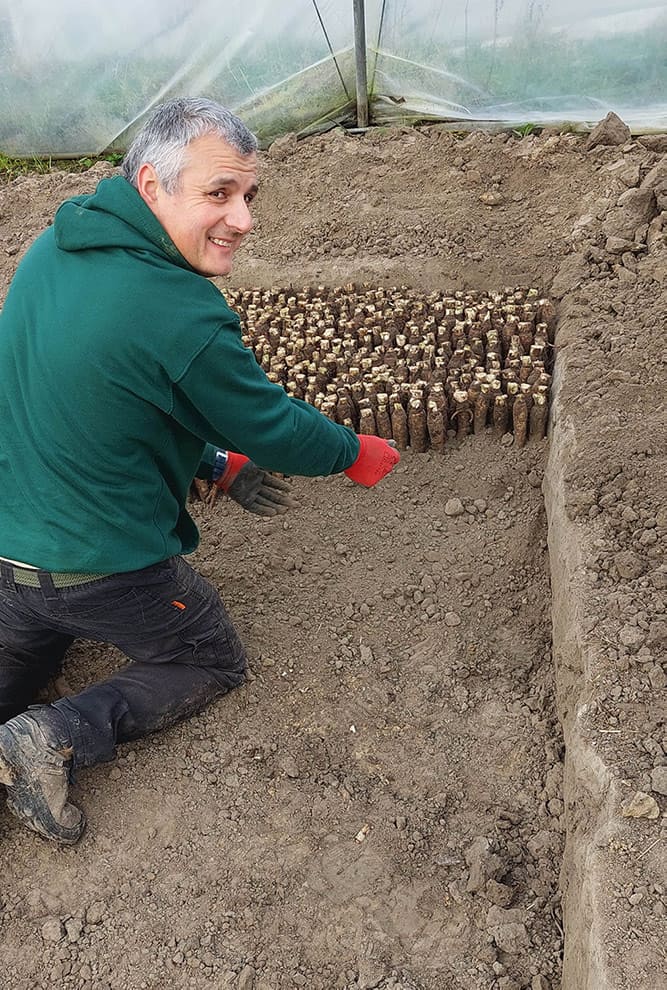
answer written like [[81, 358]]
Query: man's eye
[[249, 197], [219, 194]]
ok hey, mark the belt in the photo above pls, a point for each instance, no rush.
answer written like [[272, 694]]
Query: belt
[[61, 579]]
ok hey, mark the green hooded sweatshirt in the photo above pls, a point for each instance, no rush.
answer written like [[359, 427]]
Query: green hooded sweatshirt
[[122, 370]]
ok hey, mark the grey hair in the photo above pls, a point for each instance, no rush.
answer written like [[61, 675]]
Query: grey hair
[[164, 138]]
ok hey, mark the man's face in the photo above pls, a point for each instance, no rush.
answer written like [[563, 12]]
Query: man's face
[[209, 214]]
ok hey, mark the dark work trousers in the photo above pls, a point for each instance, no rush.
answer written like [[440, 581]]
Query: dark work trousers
[[167, 619]]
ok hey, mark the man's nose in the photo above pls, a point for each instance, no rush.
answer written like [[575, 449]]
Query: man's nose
[[239, 217]]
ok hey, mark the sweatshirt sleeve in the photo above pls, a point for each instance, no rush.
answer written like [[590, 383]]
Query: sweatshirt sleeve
[[225, 397], [205, 469]]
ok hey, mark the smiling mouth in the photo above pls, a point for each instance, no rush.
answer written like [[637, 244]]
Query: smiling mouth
[[220, 242]]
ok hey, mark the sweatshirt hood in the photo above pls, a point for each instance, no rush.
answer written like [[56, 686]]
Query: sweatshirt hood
[[114, 216]]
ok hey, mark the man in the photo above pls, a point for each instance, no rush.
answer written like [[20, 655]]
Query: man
[[124, 376]]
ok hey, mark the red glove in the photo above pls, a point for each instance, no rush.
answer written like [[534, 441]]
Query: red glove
[[376, 459], [231, 469]]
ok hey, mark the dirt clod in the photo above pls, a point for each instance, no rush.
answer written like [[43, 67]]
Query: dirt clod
[[612, 130], [641, 805]]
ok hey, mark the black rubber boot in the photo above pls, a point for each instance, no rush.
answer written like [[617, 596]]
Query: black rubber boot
[[35, 766]]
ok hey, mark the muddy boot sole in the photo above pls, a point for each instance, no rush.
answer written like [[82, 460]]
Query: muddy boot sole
[[26, 772]]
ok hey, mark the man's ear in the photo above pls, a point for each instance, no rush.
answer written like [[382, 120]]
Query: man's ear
[[148, 184]]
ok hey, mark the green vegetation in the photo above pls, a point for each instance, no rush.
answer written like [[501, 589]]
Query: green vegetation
[[524, 129], [11, 167]]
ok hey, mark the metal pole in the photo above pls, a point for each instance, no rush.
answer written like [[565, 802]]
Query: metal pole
[[360, 63]]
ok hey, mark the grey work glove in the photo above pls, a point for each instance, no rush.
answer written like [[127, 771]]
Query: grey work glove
[[260, 492]]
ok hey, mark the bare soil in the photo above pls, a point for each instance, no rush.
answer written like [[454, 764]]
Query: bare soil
[[383, 804]]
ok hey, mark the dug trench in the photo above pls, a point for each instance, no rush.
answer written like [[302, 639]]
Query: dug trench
[[416, 789]]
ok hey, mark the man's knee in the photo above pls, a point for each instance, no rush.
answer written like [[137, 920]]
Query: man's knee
[[223, 654]]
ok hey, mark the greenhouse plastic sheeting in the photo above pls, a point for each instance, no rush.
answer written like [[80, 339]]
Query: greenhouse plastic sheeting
[[521, 61], [79, 76]]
